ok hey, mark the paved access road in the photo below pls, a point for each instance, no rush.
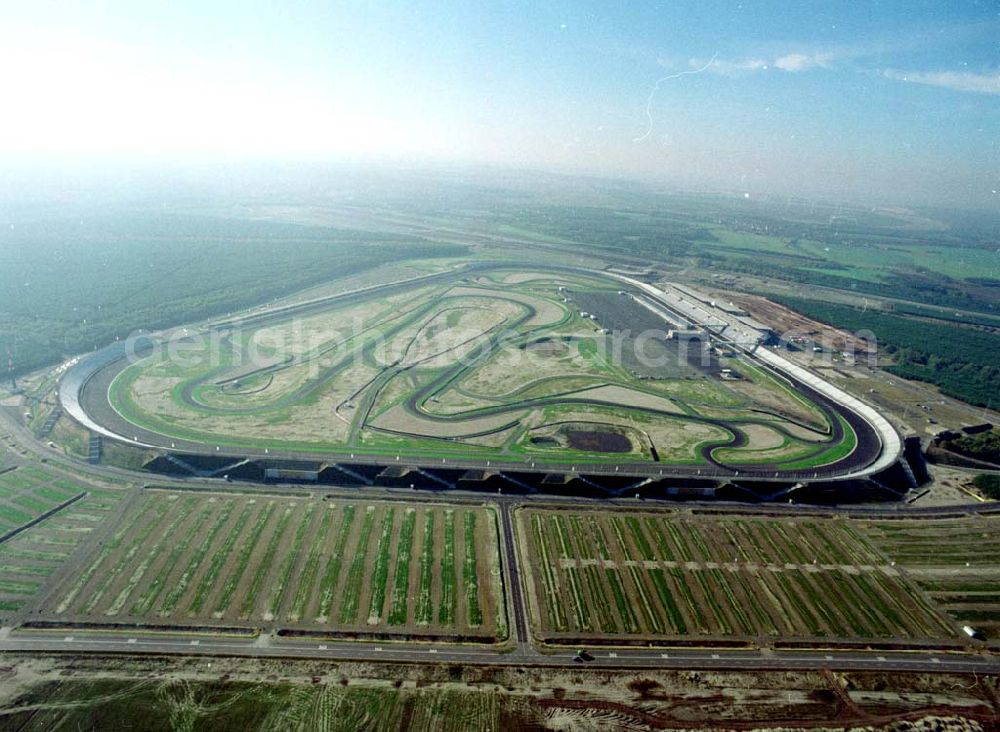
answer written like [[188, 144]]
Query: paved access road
[[37, 642]]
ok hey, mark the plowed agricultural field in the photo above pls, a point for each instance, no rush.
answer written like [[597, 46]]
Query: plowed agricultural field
[[634, 575], [361, 566], [953, 560], [30, 558]]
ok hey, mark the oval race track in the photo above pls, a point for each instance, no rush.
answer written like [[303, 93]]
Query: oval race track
[[84, 389]]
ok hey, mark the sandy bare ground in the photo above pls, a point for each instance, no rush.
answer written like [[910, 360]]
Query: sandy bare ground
[[792, 324], [496, 699], [547, 312], [399, 419]]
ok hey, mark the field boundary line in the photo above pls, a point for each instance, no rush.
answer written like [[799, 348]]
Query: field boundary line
[[38, 519]]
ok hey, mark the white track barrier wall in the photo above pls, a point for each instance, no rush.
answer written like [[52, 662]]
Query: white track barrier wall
[[892, 445], [73, 381]]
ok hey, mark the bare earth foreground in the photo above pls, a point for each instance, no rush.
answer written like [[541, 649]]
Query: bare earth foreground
[[76, 692]]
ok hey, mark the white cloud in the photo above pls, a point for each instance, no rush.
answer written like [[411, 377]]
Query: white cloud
[[791, 62], [751, 64], [963, 81], [729, 68], [803, 62]]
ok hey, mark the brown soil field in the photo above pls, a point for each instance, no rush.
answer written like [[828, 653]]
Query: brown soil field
[[598, 441], [790, 323]]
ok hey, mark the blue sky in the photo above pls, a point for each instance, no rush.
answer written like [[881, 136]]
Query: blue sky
[[888, 100]]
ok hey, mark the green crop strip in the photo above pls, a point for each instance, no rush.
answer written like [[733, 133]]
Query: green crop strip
[[860, 547], [839, 589], [616, 528], [693, 531], [653, 620], [311, 567], [172, 598], [43, 556], [791, 544], [425, 606], [750, 531], [882, 601], [661, 541], [709, 597], [605, 618], [815, 541], [727, 528], [931, 620], [381, 574], [446, 611], [628, 618], [291, 558], [98, 560], [167, 535], [640, 539], [572, 574], [146, 601], [242, 559], [401, 583], [805, 615], [598, 534], [764, 621], [560, 530], [678, 540], [778, 549], [18, 587], [862, 590], [55, 495], [580, 610], [14, 517], [147, 527], [27, 569], [329, 582], [550, 583], [722, 581], [32, 503], [582, 545], [355, 575], [819, 602], [679, 577], [667, 601], [469, 573]]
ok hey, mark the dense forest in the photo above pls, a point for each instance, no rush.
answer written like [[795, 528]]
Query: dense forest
[[963, 362], [984, 446], [925, 287], [988, 485], [70, 286]]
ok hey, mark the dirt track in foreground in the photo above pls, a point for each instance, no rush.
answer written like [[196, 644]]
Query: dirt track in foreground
[[399, 696]]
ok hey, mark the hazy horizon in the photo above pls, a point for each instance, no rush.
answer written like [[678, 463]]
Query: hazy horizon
[[896, 102]]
